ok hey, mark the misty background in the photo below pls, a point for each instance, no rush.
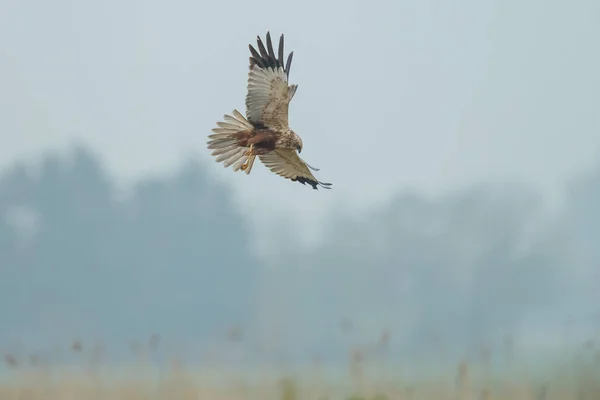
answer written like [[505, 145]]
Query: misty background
[[462, 142]]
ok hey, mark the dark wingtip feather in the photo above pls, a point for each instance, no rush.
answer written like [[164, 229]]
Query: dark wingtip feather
[[313, 183], [256, 58], [261, 48], [280, 57], [270, 50], [266, 58], [288, 64]]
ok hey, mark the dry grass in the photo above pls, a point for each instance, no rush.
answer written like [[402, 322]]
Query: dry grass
[[30, 378], [183, 386]]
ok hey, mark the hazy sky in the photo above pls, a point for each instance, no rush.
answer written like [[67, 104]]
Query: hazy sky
[[424, 94]]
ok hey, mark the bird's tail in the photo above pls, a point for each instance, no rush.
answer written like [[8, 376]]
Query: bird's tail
[[225, 142]]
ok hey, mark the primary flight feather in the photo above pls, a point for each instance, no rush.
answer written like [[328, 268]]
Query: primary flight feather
[[264, 132]]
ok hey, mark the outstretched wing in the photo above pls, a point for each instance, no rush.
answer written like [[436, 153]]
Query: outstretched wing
[[269, 94], [287, 163]]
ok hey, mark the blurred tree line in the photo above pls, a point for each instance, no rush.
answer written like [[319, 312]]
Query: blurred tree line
[[77, 258], [172, 256]]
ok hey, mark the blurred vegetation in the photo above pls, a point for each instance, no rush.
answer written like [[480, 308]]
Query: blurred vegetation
[[420, 283], [32, 379], [78, 254]]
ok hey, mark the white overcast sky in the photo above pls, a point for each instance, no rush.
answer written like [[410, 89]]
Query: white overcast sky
[[392, 94]]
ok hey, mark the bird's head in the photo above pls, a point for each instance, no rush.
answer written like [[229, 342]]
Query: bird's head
[[298, 144]]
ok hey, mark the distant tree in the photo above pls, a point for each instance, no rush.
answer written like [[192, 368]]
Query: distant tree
[[463, 268], [171, 258], [197, 269], [579, 233]]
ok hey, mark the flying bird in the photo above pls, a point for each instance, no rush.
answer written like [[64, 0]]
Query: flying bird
[[264, 132]]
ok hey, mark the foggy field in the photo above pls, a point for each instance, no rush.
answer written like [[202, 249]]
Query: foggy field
[[456, 257], [471, 295], [189, 385], [32, 378]]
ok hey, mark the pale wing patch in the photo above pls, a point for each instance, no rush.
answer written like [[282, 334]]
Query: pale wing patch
[[268, 98], [287, 163]]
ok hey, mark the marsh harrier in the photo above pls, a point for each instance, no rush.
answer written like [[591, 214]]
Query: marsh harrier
[[264, 132]]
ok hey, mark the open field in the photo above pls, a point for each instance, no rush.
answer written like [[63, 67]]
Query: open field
[[577, 379], [185, 386]]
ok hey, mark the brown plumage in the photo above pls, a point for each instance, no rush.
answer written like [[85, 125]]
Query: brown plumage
[[264, 132]]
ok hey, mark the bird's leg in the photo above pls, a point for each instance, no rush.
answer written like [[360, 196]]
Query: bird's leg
[[247, 154]]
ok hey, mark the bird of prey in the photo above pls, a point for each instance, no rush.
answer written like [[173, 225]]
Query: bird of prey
[[264, 132]]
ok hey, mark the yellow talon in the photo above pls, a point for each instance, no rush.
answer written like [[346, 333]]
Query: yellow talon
[[247, 154]]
